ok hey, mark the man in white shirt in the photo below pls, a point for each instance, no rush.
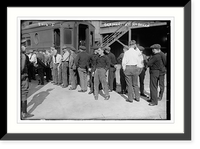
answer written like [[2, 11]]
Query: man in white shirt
[[56, 67], [130, 63], [65, 67], [31, 68]]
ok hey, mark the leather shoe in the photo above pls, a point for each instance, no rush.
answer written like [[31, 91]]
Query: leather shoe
[[90, 92], [80, 90], [107, 98], [144, 95], [129, 101], [138, 100], [151, 104], [71, 88], [159, 99]]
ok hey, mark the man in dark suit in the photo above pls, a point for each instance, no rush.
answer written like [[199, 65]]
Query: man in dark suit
[[41, 67]]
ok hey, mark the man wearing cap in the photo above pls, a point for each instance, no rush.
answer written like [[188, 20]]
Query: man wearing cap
[[129, 64], [112, 69], [65, 67], [155, 65], [56, 67], [24, 84], [101, 64], [72, 68], [82, 63], [143, 67], [41, 67], [122, 75], [93, 58]]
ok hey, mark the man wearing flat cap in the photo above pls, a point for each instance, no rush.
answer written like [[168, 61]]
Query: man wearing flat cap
[[112, 69], [92, 60], [82, 63], [65, 67], [102, 65], [155, 65]]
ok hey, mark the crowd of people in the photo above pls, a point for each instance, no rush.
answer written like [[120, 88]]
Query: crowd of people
[[73, 68]]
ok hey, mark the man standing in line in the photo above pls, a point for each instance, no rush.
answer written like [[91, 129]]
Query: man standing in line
[[41, 66], [122, 75], [72, 68], [93, 58], [56, 66], [112, 69], [102, 64], [129, 64], [82, 63], [24, 84], [162, 72], [143, 71], [65, 67], [155, 64]]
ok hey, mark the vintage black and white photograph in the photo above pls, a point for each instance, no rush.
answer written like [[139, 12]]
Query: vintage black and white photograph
[[95, 69]]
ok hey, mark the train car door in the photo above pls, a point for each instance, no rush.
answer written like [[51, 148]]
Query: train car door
[[83, 36], [57, 39]]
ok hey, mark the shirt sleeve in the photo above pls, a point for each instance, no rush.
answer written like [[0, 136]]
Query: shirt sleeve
[[66, 56], [151, 61], [124, 61]]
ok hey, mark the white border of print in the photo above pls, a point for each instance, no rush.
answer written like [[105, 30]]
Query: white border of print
[[176, 125]]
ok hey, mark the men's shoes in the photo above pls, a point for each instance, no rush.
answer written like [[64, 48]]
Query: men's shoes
[[159, 98], [90, 92], [107, 98], [138, 100], [96, 97], [82, 91], [151, 104], [144, 95], [71, 88], [110, 90], [129, 101]]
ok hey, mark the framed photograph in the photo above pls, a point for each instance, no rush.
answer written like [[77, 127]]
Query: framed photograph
[[70, 74]]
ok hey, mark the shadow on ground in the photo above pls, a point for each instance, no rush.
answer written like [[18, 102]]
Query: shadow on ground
[[38, 99]]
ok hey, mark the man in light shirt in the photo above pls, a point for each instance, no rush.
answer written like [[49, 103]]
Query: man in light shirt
[[65, 67], [130, 63], [56, 66]]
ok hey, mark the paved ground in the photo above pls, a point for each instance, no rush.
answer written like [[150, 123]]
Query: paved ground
[[54, 102]]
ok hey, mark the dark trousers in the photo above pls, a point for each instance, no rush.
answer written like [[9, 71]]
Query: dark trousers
[[41, 75], [73, 77], [131, 75], [31, 72], [100, 77], [60, 74], [154, 77], [122, 80], [48, 73], [91, 81], [141, 78], [83, 78], [161, 85], [111, 78], [65, 73]]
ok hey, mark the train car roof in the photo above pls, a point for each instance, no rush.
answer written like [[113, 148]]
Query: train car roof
[[49, 24]]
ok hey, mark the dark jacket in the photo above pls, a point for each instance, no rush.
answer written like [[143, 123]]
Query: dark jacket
[[82, 60]]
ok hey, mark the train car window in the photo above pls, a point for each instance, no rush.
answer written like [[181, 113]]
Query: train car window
[[91, 38], [36, 38], [57, 37], [27, 38], [67, 36]]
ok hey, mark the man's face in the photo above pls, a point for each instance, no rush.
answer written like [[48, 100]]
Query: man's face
[[154, 51], [95, 51], [100, 51]]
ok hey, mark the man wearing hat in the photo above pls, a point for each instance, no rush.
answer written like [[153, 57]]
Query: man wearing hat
[[112, 69], [72, 68], [93, 58], [130, 64], [102, 65], [65, 66], [155, 65], [82, 63]]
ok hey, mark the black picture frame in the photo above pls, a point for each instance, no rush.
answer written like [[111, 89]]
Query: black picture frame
[[124, 136]]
